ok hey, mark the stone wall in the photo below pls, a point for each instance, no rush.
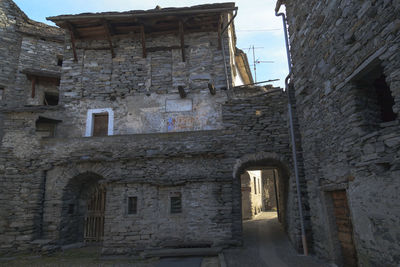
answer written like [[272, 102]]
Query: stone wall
[[197, 146], [335, 45], [251, 194], [143, 92], [202, 165], [269, 195]]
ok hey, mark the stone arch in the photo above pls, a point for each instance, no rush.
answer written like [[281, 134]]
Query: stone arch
[[262, 160], [75, 196], [62, 178]]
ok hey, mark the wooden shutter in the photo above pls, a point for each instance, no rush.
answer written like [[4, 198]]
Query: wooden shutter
[[100, 124]]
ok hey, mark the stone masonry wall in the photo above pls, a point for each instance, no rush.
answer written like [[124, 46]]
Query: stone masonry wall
[[251, 194], [187, 161], [143, 92], [269, 194], [333, 43], [198, 146]]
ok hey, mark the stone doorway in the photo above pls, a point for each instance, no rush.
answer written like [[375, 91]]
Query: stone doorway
[[259, 170], [344, 227], [83, 207]]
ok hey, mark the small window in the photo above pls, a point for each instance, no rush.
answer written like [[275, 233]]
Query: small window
[[374, 98], [46, 127], [100, 124], [255, 185], [385, 99], [132, 205], [71, 208], [176, 204], [1, 93], [59, 60], [50, 99]]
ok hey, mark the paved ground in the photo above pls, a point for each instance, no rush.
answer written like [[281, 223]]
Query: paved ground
[[90, 257], [266, 245]]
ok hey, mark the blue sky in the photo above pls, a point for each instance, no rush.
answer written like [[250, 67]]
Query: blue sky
[[255, 24]]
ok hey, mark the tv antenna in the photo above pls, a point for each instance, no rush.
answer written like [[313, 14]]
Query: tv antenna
[[256, 61]]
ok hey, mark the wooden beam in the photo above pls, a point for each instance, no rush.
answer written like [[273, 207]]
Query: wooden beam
[[34, 79], [108, 30], [164, 48], [220, 32], [181, 33], [143, 37], [73, 36]]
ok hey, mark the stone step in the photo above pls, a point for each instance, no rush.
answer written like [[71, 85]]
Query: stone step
[[179, 252]]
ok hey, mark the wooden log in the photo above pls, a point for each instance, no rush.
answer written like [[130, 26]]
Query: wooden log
[[219, 32], [182, 35], [108, 30], [164, 48], [143, 37], [34, 79], [73, 36]]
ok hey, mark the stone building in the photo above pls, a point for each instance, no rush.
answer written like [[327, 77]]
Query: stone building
[[252, 198], [346, 78], [132, 129]]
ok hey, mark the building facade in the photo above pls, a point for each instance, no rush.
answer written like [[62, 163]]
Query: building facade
[[346, 78], [132, 129]]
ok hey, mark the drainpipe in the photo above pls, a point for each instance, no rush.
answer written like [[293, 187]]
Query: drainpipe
[[223, 49], [293, 141]]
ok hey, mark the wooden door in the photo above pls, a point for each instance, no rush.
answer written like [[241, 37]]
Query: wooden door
[[100, 124], [344, 227], [94, 220]]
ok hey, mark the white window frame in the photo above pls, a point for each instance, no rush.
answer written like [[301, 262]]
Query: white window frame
[[90, 120]]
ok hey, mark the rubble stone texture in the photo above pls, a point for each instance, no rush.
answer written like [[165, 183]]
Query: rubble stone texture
[[336, 46], [162, 146]]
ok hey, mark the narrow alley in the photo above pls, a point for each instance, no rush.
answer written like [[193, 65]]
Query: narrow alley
[[266, 245]]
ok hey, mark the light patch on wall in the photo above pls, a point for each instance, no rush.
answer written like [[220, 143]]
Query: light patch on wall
[[258, 112], [179, 124], [178, 105]]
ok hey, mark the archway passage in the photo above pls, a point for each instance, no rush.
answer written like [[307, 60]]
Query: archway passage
[[83, 207], [269, 235], [260, 193], [264, 179]]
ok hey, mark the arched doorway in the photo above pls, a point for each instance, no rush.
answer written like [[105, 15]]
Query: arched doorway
[[83, 206], [264, 187], [266, 164]]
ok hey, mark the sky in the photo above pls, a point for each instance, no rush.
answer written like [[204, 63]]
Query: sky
[[256, 25]]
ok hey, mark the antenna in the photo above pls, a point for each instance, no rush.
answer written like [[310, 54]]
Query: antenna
[[256, 61]]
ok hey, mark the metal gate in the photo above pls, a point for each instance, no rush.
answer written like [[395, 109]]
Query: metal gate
[[94, 219]]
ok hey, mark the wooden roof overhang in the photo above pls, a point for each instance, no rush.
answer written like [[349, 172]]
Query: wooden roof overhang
[[103, 26]]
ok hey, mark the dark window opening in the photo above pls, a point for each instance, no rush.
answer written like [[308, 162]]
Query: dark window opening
[[46, 127], [176, 204], [374, 99], [50, 99], [385, 99], [255, 185], [71, 208], [59, 61], [1, 93], [132, 205], [100, 124]]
